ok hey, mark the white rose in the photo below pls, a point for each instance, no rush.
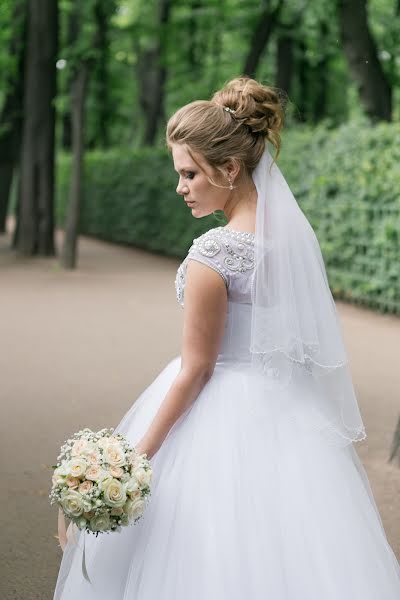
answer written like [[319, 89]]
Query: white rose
[[78, 447], [114, 455], [143, 476], [131, 486], [87, 505], [103, 442], [105, 480], [114, 494], [124, 519], [72, 503], [59, 476], [77, 467], [62, 469], [100, 522], [82, 523]]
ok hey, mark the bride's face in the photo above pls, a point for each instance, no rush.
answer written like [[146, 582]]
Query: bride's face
[[201, 196]]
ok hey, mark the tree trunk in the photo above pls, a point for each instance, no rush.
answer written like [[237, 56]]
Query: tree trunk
[[11, 115], [66, 121], [103, 96], [36, 220], [284, 62], [362, 55], [69, 250], [261, 36], [6, 175], [152, 74], [395, 451], [303, 83]]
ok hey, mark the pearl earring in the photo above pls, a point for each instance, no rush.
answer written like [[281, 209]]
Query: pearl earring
[[230, 183]]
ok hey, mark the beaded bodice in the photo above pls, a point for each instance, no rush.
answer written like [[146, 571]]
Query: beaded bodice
[[228, 252]]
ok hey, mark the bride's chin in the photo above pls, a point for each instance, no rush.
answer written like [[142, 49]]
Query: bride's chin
[[196, 213]]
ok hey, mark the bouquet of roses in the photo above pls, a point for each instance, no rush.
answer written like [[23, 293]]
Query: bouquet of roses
[[100, 483]]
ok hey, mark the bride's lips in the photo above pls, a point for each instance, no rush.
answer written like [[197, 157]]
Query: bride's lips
[[189, 202]]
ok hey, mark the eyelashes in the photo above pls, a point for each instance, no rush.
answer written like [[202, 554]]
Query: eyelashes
[[190, 174]]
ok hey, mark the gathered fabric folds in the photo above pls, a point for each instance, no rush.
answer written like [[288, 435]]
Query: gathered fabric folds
[[248, 501]]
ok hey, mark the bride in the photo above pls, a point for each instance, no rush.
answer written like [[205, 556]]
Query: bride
[[257, 489]]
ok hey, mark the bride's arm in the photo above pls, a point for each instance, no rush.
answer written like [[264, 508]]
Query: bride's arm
[[203, 326]]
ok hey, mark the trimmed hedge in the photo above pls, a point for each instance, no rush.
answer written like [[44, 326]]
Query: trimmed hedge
[[346, 180]]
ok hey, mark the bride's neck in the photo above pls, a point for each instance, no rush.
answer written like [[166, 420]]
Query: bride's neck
[[240, 208]]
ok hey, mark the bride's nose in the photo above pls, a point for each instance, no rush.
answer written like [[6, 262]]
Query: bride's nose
[[182, 189]]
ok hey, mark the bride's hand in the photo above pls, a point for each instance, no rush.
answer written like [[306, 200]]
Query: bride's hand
[[144, 448]]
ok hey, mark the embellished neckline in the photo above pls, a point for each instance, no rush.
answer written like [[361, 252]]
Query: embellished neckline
[[242, 235]]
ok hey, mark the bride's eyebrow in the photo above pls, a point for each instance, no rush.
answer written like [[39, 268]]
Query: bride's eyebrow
[[184, 169]]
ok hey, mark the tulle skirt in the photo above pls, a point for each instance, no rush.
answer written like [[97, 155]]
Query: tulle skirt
[[248, 502]]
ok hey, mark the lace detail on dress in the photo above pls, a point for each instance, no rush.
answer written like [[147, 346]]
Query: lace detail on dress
[[229, 252]]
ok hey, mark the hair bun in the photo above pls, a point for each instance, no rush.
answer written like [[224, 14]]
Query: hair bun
[[259, 107]]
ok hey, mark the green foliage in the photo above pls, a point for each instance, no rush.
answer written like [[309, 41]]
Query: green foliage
[[347, 182], [130, 197]]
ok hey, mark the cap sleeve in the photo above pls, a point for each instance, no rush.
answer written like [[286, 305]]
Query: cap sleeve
[[209, 250], [229, 253]]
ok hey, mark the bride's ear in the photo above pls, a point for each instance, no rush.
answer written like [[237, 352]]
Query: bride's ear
[[232, 168]]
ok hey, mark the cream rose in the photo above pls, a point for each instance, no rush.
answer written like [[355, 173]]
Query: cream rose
[[85, 487], [143, 476], [114, 455], [134, 508], [100, 522], [93, 457], [114, 494], [136, 460], [78, 447], [77, 467], [72, 503], [116, 471]]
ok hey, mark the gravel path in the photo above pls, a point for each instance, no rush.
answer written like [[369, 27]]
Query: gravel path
[[78, 348]]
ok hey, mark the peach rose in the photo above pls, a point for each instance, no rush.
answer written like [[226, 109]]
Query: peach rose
[[72, 482], [85, 487], [95, 473]]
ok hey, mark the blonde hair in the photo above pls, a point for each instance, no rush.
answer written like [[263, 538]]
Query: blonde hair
[[206, 128]]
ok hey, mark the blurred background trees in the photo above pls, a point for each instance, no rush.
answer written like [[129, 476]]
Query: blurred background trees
[[78, 77], [124, 65]]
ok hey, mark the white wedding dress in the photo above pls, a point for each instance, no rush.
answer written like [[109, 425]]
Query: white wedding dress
[[249, 500]]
